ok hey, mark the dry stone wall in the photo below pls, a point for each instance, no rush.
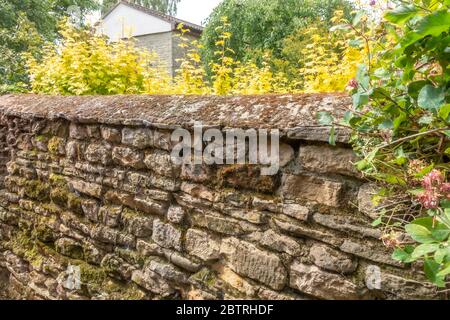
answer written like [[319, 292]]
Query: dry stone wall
[[90, 190]]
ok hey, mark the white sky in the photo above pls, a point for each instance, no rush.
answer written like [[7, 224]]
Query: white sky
[[196, 11]]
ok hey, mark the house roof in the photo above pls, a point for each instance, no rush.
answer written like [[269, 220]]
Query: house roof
[[172, 20]]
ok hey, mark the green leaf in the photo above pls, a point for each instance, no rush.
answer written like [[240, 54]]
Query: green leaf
[[362, 76], [415, 86], [403, 255], [434, 24], [332, 137], [362, 164], [431, 98], [445, 270], [386, 124], [440, 254], [355, 43], [377, 221], [357, 18], [360, 99], [348, 115], [424, 171], [440, 234], [324, 118], [426, 119], [401, 14], [419, 233], [431, 269], [424, 249], [444, 112]]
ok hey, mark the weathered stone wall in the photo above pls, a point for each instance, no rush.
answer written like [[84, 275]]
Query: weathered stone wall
[[89, 183]]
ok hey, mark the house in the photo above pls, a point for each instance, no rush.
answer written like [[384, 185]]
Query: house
[[152, 30]]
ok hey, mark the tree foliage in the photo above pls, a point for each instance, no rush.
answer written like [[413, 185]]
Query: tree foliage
[[259, 26], [24, 26], [164, 6]]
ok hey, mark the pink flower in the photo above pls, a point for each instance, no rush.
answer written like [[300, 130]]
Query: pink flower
[[429, 200], [352, 84], [372, 2], [445, 189], [433, 179]]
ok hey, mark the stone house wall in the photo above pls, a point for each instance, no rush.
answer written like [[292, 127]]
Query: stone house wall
[[90, 186], [166, 46]]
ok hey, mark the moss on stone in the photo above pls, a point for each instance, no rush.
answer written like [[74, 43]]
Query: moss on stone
[[57, 180], [129, 213], [24, 246], [121, 291], [43, 231], [54, 145], [94, 276], [41, 138], [74, 203], [205, 276], [37, 190], [59, 197], [130, 256], [51, 208]]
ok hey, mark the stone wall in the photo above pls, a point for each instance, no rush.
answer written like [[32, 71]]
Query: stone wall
[[90, 187]]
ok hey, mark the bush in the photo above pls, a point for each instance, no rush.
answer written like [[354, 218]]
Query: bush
[[401, 122], [85, 63]]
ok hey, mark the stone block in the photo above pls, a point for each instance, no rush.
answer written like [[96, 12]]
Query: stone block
[[137, 224], [246, 259], [328, 159], [321, 284], [128, 157], [98, 153], [166, 235], [176, 214], [280, 243], [110, 216], [248, 177], [161, 163], [295, 211], [331, 259], [111, 134], [140, 138], [91, 189], [202, 245], [373, 251], [311, 188]]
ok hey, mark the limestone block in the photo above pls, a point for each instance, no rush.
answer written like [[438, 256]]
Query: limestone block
[[246, 259], [128, 157], [328, 159], [331, 259], [321, 284], [311, 188], [166, 235], [140, 138], [202, 245]]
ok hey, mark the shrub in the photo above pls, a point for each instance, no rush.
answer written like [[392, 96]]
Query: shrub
[[401, 123]]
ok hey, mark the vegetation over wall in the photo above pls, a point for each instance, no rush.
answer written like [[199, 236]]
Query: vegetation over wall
[[401, 123]]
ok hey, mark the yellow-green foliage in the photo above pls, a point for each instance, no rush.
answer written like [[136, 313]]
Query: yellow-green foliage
[[329, 60], [86, 63]]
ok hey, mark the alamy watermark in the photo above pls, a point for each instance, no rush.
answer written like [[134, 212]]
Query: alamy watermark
[[232, 146]]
